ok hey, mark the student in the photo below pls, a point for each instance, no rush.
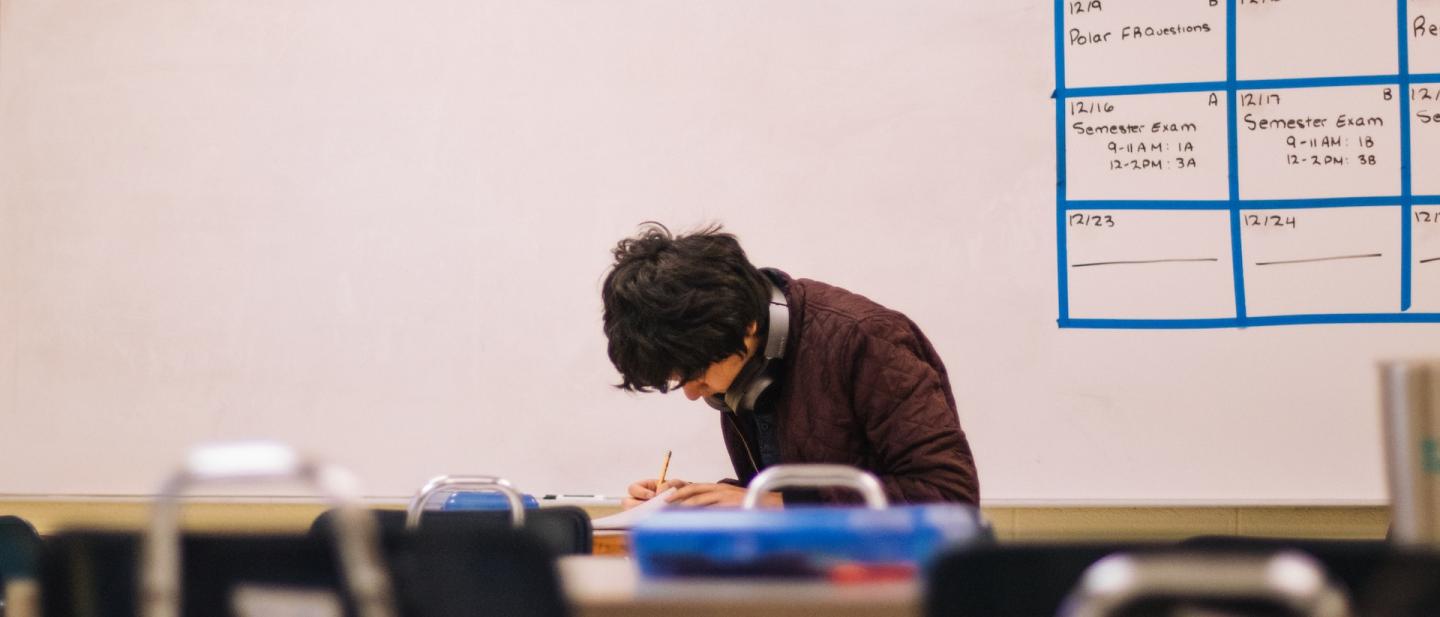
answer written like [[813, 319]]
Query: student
[[855, 384]]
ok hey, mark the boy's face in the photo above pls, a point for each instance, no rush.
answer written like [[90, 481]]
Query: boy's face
[[719, 375]]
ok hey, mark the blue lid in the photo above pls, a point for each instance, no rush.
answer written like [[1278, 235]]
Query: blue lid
[[484, 500]]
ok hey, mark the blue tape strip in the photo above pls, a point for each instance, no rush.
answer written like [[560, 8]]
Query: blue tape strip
[[1062, 255], [1151, 324], [1146, 204], [1238, 84], [1406, 204], [1243, 204], [1237, 257], [1195, 86], [1272, 320]]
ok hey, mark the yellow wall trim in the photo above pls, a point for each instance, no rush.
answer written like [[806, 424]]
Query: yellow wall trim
[[1011, 523]]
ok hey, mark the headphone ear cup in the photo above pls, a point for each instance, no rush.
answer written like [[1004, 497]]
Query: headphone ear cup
[[717, 403], [757, 387], [735, 395], [761, 371]]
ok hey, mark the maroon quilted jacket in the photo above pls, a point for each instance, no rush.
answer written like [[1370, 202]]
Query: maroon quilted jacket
[[862, 386]]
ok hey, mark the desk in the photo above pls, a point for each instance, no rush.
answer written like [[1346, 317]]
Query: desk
[[614, 543], [600, 586]]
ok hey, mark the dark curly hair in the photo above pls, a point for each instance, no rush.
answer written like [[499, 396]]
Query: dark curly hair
[[676, 304]]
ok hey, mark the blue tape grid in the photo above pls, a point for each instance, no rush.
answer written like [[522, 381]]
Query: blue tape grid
[[1234, 205]]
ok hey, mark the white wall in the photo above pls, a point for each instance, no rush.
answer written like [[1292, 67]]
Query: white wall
[[377, 230]]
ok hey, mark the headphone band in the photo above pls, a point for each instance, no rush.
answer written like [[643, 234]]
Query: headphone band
[[778, 331]]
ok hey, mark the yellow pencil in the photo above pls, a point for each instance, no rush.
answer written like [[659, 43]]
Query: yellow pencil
[[660, 483]]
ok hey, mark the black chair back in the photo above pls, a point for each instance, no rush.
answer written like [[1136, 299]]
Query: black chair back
[[449, 573], [1033, 580], [1011, 580], [1383, 580], [565, 529], [1405, 584]]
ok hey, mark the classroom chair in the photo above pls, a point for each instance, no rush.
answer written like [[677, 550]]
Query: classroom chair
[[359, 572], [565, 529], [1011, 580], [448, 573], [1352, 563], [1206, 582], [1030, 580], [1405, 584], [1383, 579]]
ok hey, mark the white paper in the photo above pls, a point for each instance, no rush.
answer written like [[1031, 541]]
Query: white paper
[[628, 518]]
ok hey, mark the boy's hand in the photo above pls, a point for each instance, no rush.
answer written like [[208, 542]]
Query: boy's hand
[[645, 490], [724, 495]]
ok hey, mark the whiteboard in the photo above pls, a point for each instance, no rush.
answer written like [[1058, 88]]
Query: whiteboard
[[1271, 178], [377, 231]]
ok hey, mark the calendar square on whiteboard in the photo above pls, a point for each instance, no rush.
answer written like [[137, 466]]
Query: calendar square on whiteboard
[[1284, 39], [1423, 30], [1318, 142], [1321, 260], [1425, 139], [1124, 42], [1425, 259], [1147, 146], [1148, 264]]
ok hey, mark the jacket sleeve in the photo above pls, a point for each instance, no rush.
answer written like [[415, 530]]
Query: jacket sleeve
[[903, 404]]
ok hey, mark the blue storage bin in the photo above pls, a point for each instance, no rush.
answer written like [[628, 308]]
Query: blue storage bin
[[484, 500], [799, 541]]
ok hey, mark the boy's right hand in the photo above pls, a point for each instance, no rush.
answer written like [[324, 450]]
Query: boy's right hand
[[645, 490]]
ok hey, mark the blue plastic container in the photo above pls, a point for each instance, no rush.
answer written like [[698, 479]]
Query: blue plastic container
[[484, 500], [802, 542]]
